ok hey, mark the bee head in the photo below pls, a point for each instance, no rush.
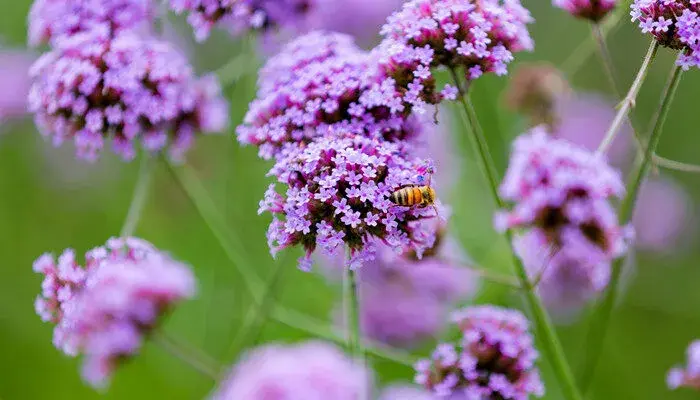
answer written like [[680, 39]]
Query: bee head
[[428, 194]]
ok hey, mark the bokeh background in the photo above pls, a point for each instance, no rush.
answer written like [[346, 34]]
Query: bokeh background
[[49, 201]]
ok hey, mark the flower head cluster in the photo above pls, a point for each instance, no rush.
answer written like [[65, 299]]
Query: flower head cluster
[[477, 37], [338, 192], [95, 89], [239, 15], [494, 360], [105, 308], [690, 375], [307, 371], [594, 10], [561, 196], [51, 21], [674, 24], [318, 84]]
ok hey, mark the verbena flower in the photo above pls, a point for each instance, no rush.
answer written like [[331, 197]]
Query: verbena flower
[[309, 371], [239, 15], [51, 21], [337, 195], [319, 84], [674, 24], [476, 37], [127, 90], [690, 375], [14, 83], [495, 358], [561, 193], [594, 10], [106, 308]]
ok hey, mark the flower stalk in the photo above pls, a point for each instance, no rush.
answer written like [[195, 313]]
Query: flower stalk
[[352, 314], [190, 356], [138, 200]]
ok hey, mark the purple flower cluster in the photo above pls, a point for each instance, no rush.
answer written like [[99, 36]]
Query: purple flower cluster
[[561, 196], [308, 371], [674, 24], [94, 89], [106, 308], [690, 375], [495, 359], [594, 10], [239, 15], [476, 36], [51, 21]]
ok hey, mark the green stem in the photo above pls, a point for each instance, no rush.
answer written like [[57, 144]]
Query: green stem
[[598, 330], [352, 313], [189, 355], [548, 338], [138, 200], [630, 99]]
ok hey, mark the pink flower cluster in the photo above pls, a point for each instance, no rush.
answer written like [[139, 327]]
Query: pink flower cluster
[[690, 375], [674, 24], [495, 358], [94, 89], [308, 371], [106, 308], [238, 15], [594, 10]]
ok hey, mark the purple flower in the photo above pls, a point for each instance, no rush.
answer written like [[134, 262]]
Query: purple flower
[[106, 308], [376, 167], [474, 36], [314, 70], [561, 194], [239, 15], [94, 89], [311, 370], [674, 24], [51, 21], [494, 359], [690, 376], [594, 10], [14, 83]]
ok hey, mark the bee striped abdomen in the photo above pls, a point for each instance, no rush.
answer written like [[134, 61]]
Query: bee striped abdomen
[[408, 196]]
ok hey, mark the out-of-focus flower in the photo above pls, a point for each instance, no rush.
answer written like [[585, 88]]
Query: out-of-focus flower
[[125, 90], [476, 37], [240, 15], [535, 91], [321, 84], [584, 118], [360, 18], [401, 392], [338, 193], [662, 215], [494, 360], [51, 21], [674, 24], [690, 375], [308, 371], [14, 83], [561, 195], [594, 10], [106, 308]]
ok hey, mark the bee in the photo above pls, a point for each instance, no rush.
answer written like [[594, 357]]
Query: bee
[[415, 195]]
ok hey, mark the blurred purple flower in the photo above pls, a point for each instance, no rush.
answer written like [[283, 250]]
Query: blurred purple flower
[[338, 193], [494, 360], [477, 36], [125, 90], [240, 15], [309, 371], [661, 231], [360, 18], [674, 24], [106, 308], [14, 83], [406, 392], [321, 84], [690, 375], [594, 10], [51, 21]]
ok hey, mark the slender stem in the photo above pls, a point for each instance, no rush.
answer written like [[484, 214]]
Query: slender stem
[[676, 165], [599, 327], [630, 99], [189, 355], [352, 313], [139, 198], [545, 329]]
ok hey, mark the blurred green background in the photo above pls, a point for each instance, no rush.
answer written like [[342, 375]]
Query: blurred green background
[[49, 202]]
